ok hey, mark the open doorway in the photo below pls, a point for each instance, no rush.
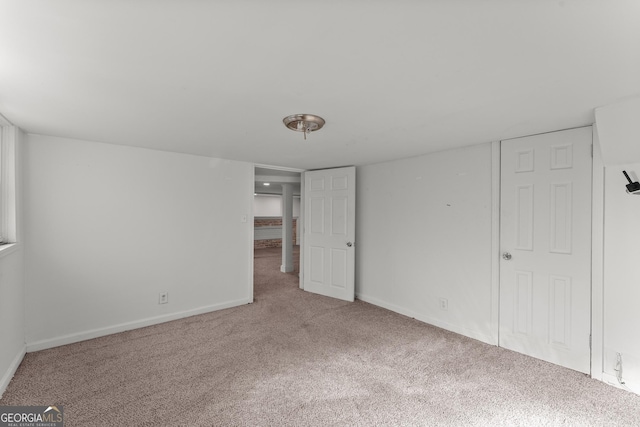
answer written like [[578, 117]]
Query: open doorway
[[277, 224]]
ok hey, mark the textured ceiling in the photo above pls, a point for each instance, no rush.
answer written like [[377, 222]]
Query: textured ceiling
[[392, 79]]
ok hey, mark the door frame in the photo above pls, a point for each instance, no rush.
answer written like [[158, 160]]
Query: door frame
[[301, 231], [495, 241], [300, 223], [597, 259], [597, 249]]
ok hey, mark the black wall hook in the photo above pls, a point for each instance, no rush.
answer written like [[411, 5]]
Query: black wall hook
[[632, 187]]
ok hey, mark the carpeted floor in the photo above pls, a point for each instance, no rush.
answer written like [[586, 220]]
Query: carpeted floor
[[298, 359]]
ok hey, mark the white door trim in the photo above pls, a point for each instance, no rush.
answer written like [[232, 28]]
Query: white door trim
[[301, 227], [250, 219], [300, 218], [277, 168], [597, 261], [495, 242]]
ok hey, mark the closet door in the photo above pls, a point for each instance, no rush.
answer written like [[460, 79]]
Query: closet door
[[545, 239]]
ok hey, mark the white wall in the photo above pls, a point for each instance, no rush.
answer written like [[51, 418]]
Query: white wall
[[271, 205], [12, 329], [424, 233], [619, 131], [617, 134], [267, 205], [622, 275], [109, 227]]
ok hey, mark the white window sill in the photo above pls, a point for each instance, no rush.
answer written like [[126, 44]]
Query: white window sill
[[9, 248]]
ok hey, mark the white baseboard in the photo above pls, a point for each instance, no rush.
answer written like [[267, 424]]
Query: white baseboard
[[486, 338], [613, 380], [122, 327], [13, 367]]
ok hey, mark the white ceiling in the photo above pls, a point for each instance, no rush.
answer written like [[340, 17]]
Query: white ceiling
[[392, 79]]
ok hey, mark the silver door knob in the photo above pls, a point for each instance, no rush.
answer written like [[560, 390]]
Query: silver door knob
[[349, 244], [506, 256]]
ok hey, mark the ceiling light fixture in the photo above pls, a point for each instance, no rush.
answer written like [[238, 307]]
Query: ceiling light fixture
[[266, 183], [305, 123]]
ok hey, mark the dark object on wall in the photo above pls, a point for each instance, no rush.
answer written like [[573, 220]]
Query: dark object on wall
[[632, 187]]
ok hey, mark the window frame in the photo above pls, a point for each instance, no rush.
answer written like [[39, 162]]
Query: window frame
[[8, 183]]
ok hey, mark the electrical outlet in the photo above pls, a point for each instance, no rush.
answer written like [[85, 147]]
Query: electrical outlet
[[163, 297], [444, 304]]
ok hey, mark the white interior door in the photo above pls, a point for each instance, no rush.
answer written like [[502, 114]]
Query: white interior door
[[329, 232], [545, 239]]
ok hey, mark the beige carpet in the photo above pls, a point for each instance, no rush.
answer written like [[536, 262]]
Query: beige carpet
[[297, 359]]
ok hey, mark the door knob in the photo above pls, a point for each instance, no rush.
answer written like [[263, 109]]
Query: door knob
[[349, 244], [506, 256]]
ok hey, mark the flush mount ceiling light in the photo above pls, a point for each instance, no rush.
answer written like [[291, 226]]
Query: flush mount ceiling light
[[305, 123]]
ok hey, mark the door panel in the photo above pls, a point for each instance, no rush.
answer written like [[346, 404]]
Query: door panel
[[329, 251], [545, 227]]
